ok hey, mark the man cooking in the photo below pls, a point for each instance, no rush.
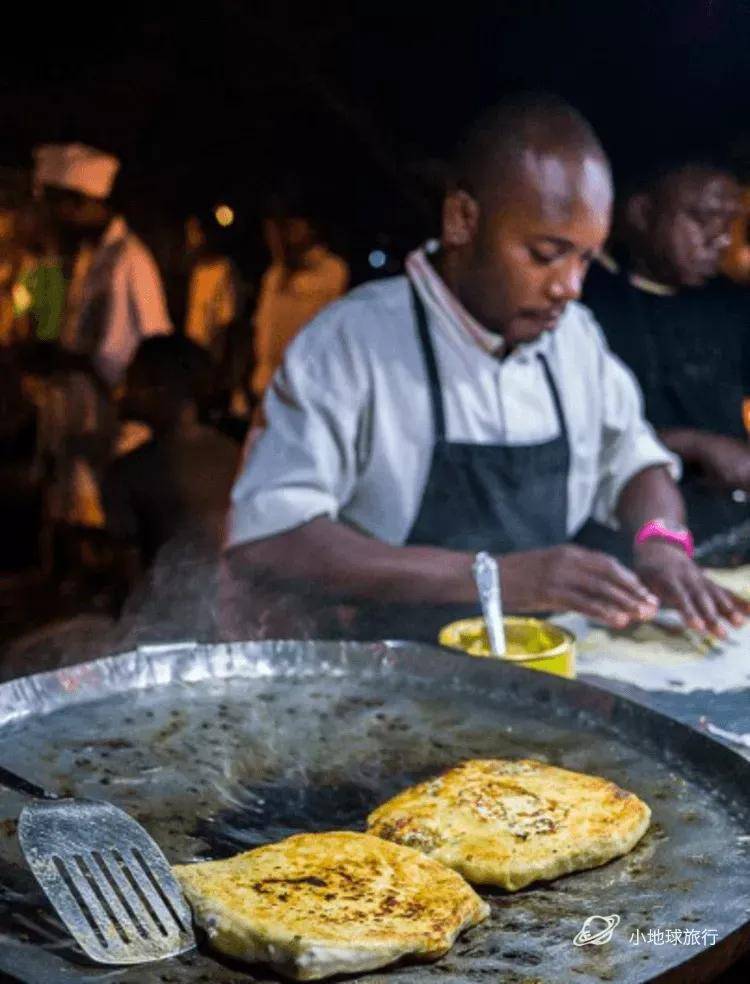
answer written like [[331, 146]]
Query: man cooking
[[471, 405], [683, 330]]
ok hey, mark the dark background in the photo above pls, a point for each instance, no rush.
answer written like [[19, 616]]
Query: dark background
[[347, 105]]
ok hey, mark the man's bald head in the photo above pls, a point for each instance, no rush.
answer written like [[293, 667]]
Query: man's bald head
[[530, 206], [500, 146]]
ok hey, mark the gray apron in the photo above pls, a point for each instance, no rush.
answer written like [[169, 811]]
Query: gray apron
[[495, 497]]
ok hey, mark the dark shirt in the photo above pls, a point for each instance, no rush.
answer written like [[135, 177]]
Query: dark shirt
[[168, 485], [690, 351]]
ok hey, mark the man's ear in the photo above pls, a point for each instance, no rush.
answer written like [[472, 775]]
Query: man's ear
[[638, 210], [460, 218]]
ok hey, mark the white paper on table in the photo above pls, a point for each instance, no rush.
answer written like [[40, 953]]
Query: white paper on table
[[652, 659]]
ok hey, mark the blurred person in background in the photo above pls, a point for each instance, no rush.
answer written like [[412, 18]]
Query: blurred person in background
[[303, 277], [214, 294], [216, 302], [683, 329], [115, 296], [113, 299], [179, 478]]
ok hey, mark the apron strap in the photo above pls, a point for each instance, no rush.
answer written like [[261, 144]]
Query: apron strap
[[433, 379], [555, 397]]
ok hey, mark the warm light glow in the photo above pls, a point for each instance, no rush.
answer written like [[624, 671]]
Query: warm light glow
[[22, 299], [224, 215]]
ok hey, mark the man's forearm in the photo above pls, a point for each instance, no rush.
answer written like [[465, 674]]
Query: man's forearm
[[341, 562], [650, 494], [337, 563]]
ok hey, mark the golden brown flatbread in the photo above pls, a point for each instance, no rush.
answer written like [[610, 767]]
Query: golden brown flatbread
[[510, 823], [320, 904]]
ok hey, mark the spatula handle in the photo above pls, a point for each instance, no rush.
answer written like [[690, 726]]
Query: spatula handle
[[11, 781]]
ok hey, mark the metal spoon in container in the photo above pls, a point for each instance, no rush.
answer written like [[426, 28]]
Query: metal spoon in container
[[487, 578]]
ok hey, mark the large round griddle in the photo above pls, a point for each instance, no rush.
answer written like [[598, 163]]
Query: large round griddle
[[218, 748]]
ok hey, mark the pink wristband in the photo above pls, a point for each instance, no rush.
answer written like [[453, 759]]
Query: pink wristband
[[658, 529]]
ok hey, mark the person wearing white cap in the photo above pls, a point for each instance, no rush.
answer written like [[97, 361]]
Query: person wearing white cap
[[116, 297]]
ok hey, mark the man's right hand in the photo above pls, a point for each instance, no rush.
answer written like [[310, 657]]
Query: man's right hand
[[572, 577]]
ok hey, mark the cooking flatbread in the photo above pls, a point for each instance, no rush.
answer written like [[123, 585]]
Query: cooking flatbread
[[647, 644], [510, 823], [660, 645], [320, 904]]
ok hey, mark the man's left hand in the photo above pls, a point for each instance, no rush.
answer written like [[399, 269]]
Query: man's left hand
[[668, 571]]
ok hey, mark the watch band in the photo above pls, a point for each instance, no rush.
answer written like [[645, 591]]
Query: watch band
[[660, 529]]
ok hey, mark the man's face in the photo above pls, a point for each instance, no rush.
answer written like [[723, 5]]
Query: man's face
[[688, 226], [534, 242], [74, 212], [298, 233], [148, 397]]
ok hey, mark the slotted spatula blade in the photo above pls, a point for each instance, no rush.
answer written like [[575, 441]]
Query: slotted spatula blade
[[108, 880]]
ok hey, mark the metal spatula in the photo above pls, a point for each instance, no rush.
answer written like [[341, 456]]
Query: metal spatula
[[108, 880]]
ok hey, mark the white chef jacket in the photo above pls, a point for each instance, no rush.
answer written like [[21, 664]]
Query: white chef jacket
[[287, 301], [349, 424], [117, 285]]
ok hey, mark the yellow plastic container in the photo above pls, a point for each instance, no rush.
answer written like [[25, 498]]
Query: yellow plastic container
[[530, 642]]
